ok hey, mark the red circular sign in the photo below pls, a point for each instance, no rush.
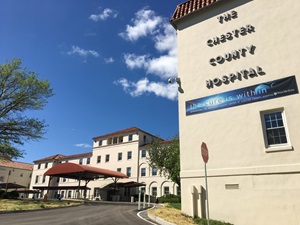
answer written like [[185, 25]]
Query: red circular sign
[[204, 152]]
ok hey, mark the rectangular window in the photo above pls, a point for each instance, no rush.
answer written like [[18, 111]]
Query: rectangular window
[[121, 139], [143, 153], [80, 161], [130, 137], [88, 160], [143, 190], [99, 159], [107, 158], [36, 179], [119, 156], [166, 191], [143, 172], [119, 170], [100, 142], [145, 138], [274, 128], [46, 165], [129, 155], [69, 194], [39, 166], [128, 171], [154, 171], [115, 140], [154, 191], [44, 179]]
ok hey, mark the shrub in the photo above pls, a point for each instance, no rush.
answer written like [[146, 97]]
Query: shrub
[[6, 195], [170, 199], [13, 194], [2, 193]]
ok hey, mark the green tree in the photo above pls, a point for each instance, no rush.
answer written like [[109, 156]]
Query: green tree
[[165, 156], [20, 91]]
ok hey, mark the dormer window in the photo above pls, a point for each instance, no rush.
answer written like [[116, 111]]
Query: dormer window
[[115, 140], [100, 142], [130, 137]]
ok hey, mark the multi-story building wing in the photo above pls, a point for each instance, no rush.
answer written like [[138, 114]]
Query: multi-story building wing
[[16, 172], [239, 70], [66, 187], [123, 151]]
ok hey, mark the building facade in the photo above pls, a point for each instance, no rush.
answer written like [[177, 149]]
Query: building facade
[[123, 151], [16, 172], [238, 69]]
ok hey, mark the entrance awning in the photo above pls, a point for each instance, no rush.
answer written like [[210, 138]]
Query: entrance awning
[[131, 184], [82, 172]]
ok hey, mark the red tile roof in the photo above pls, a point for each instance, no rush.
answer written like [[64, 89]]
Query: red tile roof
[[72, 170], [17, 165], [125, 131], [128, 130], [189, 7], [49, 158], [77, 156], [64, 157]]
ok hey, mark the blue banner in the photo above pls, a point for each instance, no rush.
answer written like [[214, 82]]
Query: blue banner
[[260, 92]]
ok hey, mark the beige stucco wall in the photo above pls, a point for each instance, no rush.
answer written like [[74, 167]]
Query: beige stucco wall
[[268, 181], [18, 176]]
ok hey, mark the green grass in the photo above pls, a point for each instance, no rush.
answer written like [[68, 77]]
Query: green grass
[[22, 204], [199, 221]]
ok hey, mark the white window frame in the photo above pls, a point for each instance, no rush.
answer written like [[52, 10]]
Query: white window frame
[[98, 159], [129, 155], [166, 190], [128, 171], [107, 157], [143, 172], [143, 152], [120, 156], [276, 147]]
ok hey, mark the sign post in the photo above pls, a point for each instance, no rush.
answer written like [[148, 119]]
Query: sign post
[[204, 153]]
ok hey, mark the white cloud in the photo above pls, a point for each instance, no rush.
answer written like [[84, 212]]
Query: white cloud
[[83, 145], [166, 40], [134, 62], [144, 23], [163, 65], [82, 52], [143, 86], [106, 13], [109, 60]]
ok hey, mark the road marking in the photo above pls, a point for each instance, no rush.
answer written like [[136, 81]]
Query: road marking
[[138, 214]]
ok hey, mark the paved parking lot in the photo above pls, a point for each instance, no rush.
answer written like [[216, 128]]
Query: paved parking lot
[[88, 214]]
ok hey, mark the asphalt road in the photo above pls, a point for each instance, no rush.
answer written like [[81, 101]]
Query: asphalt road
[[88, 214]]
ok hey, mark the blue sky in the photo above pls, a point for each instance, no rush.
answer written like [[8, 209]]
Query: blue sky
[[107, 61]]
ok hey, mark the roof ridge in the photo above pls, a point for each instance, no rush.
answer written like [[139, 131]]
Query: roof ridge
[[189, 7]]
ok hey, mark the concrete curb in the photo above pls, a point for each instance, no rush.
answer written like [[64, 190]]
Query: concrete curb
[[39, 209], [159, 220]]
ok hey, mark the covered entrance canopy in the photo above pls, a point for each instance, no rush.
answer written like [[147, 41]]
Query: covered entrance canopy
[[131, 184], [81, 172]]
